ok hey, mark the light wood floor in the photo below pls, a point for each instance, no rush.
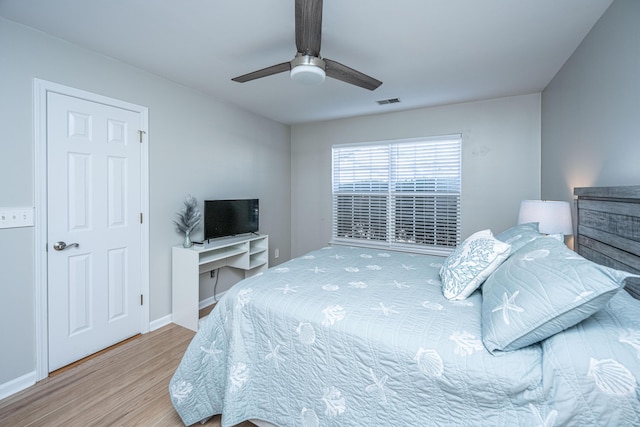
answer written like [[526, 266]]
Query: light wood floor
[[125, 386]]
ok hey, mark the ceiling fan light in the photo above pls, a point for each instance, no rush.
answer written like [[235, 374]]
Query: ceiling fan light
[[307, 74]]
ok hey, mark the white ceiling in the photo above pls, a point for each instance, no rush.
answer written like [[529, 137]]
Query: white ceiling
[[426, 52]]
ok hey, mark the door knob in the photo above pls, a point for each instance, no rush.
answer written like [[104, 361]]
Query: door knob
[[61, 246]]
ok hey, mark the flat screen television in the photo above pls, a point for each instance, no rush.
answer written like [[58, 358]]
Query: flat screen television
[[230, 217]]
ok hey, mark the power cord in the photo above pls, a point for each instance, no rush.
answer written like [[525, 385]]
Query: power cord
[[215, 284]]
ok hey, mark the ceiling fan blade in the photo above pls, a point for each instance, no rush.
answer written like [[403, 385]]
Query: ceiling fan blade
[[339, 71], [274, 69], [308, 26]]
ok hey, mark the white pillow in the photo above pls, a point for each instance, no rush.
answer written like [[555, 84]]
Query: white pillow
[[471, 263]]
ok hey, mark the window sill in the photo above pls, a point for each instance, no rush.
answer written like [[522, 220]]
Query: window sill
[[422, 250]]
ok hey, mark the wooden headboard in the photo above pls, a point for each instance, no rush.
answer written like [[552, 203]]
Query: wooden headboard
[[609, 229]]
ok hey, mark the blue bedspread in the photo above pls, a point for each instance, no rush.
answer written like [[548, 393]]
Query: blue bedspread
[[356, 337]]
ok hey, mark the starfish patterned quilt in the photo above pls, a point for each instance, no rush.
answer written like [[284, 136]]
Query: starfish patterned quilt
[[359, 337]]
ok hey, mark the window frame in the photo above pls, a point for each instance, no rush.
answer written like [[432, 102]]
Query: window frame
[[391, 193]]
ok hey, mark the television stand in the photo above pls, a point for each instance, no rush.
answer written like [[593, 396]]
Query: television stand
[[249, 253]]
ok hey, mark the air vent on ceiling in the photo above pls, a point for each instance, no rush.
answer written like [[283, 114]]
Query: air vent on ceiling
[[389, 101]]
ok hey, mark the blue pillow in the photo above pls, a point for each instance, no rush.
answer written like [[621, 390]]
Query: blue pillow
[[520, 235], [541, 290]]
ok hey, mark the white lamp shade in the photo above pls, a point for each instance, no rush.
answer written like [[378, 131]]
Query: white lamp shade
[[552, 217], [308, 74]]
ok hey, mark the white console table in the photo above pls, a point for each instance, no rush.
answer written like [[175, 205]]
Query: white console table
[[249, 253]]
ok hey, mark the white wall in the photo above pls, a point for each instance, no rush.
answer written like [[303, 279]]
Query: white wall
[[591, 109], [500, 161], [197, 145]]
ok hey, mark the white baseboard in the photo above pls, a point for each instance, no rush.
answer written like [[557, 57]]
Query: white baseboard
[[210, 301], [12, 387], [159, 323], [164, 321]]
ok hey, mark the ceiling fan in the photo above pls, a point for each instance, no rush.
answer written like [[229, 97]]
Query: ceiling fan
[[307, 66]]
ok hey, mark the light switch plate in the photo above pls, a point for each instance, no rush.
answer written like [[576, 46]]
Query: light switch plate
[[16, 217]]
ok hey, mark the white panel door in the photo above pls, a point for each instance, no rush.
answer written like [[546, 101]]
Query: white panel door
[[94, 230]]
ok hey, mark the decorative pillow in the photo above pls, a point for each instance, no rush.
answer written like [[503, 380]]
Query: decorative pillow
[[471, 263], [520, 235], [541, 290]]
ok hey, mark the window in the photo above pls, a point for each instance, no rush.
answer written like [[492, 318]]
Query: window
[[398, 194]]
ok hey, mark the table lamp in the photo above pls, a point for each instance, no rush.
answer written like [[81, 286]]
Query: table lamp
[[553, 217]]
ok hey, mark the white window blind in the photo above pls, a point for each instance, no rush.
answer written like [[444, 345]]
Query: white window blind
[[403, 194]]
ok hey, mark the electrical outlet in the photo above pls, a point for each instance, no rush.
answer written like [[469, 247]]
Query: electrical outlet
[[276, 253], [213, 274], [16, 217]]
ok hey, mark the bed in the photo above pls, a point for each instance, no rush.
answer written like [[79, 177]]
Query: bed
[[347, 336]]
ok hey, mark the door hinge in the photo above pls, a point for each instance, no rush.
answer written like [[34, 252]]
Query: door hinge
[[141, 300], [140, 217], [140, 132]]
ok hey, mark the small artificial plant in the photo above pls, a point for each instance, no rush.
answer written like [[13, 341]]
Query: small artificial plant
[[188, 218]]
